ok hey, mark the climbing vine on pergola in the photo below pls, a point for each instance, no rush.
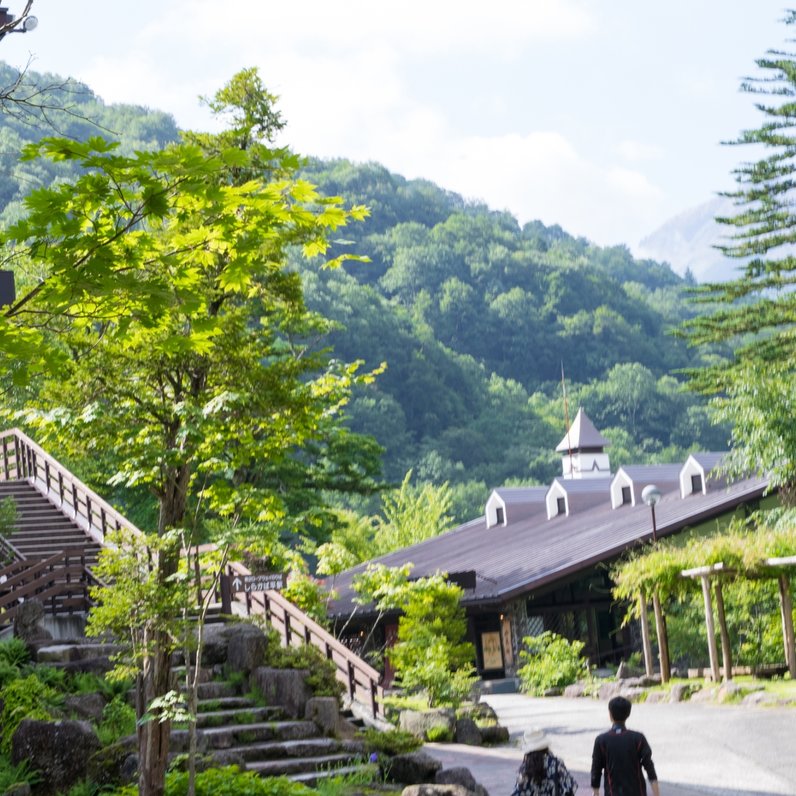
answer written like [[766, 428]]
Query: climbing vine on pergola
[[760, 547]]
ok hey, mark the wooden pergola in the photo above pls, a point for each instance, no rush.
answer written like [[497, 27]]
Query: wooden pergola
[[713, 573]]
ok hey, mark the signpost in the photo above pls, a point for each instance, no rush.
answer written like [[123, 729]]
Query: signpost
[[233, 584], [266, 582]]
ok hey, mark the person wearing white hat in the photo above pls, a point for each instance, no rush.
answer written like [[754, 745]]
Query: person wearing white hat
[[541, 772]]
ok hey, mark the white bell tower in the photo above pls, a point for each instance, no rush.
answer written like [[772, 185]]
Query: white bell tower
[[583, 449]]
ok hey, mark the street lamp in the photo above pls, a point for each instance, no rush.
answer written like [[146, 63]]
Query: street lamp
[[651, 495], [9, 23]]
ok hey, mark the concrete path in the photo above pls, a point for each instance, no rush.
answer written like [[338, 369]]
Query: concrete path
[[698, 749]]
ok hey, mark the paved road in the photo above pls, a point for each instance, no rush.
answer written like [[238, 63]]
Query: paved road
[[699, 749]]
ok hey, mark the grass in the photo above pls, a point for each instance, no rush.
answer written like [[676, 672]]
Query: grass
[[783, 688]]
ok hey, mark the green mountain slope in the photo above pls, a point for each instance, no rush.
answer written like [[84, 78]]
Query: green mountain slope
[[473, 315]]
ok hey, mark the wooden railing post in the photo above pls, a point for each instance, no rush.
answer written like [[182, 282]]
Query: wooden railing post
[[47, 476], [6, 472], [61, 487], [352, 680], [288, 633]]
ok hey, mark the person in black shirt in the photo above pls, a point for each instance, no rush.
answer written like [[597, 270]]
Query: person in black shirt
[[621, 754]]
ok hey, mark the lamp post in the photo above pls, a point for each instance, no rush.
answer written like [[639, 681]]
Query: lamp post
[[651, 495], [11, 24]]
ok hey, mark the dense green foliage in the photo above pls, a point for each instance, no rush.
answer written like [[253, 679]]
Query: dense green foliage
[[431, 655], [24, 698], [389, 742], [72, 110], [755, 313], [227, 781], [474, 316], [550, 662]]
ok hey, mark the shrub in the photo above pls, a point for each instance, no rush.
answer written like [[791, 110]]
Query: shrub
[[391, 742], [228, 781], [322, 679], [431, 654], [14, 652], [118, 720], [550, 662], [24, 698], [11, 775], [439, 733]]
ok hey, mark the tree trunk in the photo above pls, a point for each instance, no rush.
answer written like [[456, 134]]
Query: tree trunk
[[663, 639], [726, 650], [645, 636], [153, 735]]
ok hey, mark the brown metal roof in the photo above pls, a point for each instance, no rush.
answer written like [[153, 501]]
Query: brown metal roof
[[522, 556]]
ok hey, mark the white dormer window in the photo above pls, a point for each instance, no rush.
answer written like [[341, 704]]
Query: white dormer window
[[500, 515], [561, 505], [627, 495]]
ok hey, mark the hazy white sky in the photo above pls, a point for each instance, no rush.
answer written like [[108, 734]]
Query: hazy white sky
[[603, 116]]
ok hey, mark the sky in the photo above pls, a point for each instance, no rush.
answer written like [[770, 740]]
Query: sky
[[603, 116]]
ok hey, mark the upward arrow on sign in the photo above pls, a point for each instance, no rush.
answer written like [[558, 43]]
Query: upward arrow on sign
[[237, 583]]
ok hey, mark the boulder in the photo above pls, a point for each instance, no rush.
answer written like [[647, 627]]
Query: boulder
[[414, 768], [634, 694], [27, 622], [246, 648], [436, 790], [575, 691], [494, 734], [85, 706], [286, 688], [467, 732], [418, 722], [60, 750], [680, 692], [325, 712], [215, 643], [20, 789], [111, 764], [456, 776]]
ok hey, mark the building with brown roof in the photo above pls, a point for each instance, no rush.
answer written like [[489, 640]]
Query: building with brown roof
[[539, 557]]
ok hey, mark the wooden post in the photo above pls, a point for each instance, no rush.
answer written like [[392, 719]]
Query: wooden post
[[663, 641], [726, 650], [711, 630], [645, 636], [786, 605]]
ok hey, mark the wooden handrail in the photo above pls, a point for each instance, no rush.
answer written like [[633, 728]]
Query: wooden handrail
[[22, 459], [44, 579], [296, 628]]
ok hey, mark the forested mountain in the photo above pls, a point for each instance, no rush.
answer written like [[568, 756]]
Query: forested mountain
[[61, 107], [473, 315]]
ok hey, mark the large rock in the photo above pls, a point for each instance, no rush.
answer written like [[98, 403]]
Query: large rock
[[246, 648], [418, 722], [286, 688], [27, 622], [456, 776], [467, 732], [112, 764], [494, 734], [325, 712], [216, 643], [60, 750], [414, 768], [428, 789], [85, 706]]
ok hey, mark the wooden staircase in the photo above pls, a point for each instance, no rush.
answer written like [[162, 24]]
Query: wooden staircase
[[42, 530]]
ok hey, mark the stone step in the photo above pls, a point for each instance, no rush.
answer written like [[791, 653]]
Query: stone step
[[226, 703], [304, 747], [65, 653], [311, 778], [217, 689], [241, 734], [224, 718], [299, 765]]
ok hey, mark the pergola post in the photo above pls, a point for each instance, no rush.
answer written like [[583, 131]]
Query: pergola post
[[726, 650], [712, 649], [786, 606], [645, 635], [663, 640]]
